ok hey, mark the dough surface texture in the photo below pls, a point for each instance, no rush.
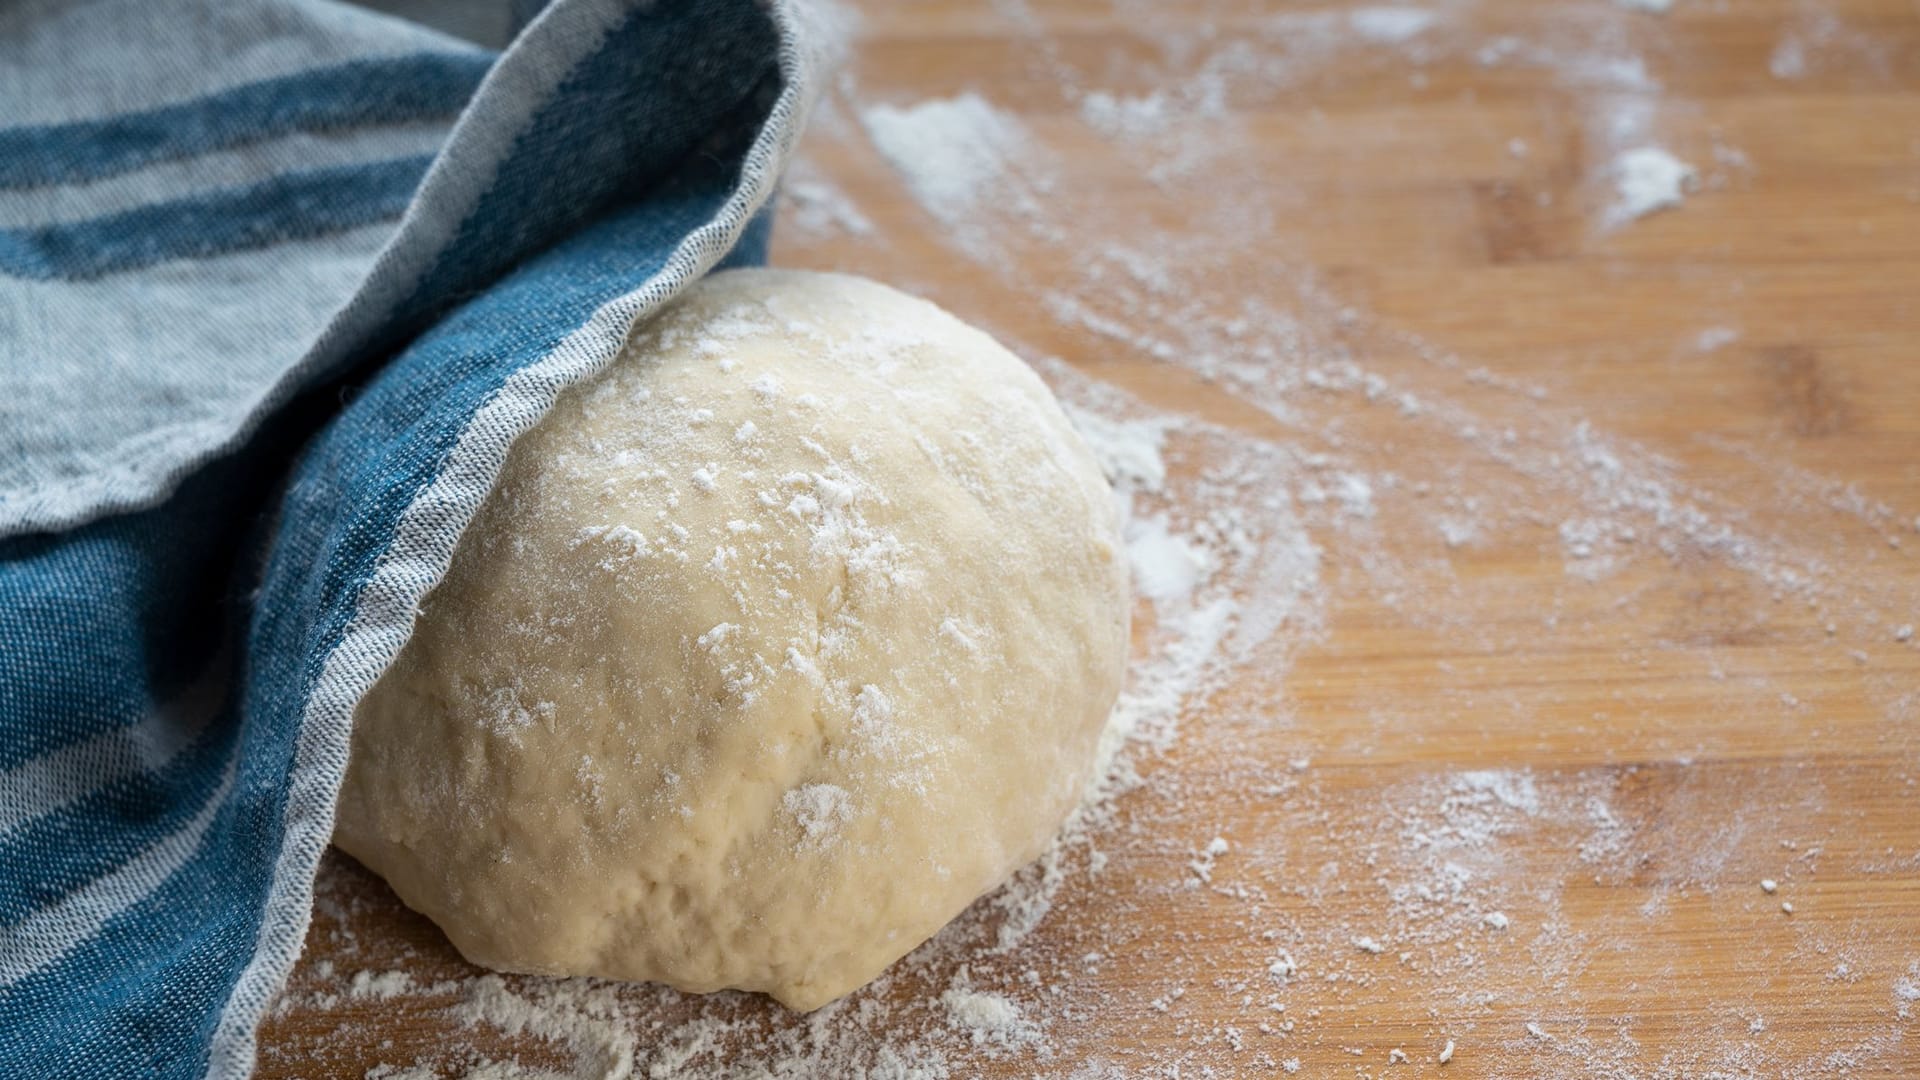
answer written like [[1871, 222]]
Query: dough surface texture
[[777, 644]]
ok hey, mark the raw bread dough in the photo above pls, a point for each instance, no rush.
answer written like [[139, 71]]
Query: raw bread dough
[[776, 645]]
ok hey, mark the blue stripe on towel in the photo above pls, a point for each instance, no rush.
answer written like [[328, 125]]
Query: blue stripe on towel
[[393, 90], [131, 624], [293, 206]]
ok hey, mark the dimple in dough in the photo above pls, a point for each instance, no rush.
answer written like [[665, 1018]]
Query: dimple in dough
[[777, 644]]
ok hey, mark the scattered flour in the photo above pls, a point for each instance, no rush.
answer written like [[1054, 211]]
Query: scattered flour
[[1390, 24], [1129, 117], [1165, 566], [1646, 179], [1906, 991], [817, 208], [1129, 451], [1789, 58], [379, 986], [819, 810], [1714, 338], [1818, 39], [953, 153], [987, 1019]]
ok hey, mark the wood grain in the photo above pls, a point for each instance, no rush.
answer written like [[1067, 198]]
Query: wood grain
[[1731, 697]]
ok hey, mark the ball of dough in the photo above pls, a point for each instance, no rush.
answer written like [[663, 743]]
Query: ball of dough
[[776, 645]]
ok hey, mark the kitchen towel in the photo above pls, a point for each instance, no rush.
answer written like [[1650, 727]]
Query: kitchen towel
[[280, 282]]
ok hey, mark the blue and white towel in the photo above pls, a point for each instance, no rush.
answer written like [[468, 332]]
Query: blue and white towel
[[280, 281]]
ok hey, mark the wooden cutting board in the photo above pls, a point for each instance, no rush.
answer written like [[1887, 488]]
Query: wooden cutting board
[[1594, 543]]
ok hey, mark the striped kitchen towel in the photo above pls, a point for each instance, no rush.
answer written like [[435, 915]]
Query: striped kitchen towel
[[280, 280]]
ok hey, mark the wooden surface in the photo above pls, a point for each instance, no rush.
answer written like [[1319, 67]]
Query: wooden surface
[[1712, 693]]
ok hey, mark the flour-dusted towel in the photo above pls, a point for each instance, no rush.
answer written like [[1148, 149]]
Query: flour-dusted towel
[[280, 281]]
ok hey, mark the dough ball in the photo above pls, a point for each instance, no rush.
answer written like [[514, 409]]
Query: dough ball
[[776, 645]]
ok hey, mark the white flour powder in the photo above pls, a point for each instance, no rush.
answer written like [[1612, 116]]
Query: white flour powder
[[953, 152], [1648, 178]]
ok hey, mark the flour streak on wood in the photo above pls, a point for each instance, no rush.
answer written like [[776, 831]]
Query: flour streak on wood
[[1526, 682]]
